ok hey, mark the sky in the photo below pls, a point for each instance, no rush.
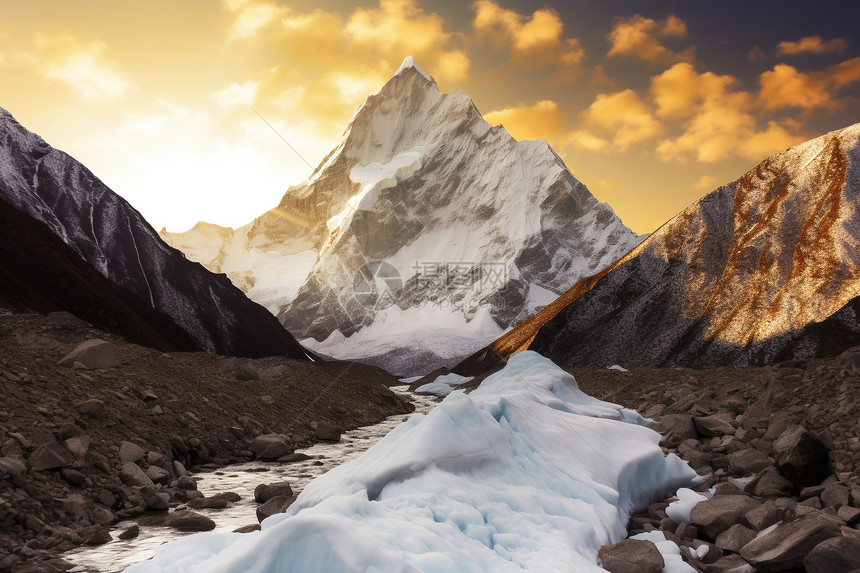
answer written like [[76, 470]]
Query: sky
[[209, 110]]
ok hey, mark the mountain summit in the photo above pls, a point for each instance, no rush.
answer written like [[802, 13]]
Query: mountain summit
[[432, 231], [766, 268]]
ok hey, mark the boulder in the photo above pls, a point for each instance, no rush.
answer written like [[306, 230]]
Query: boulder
[[158, 475], [785, 546], [675, 428], [265, 492], [834, 555], [801, 457], [328, 432], [130, 533], [78, 446], [769, 483], [748, 461], [764, 516], [92, 408], [728, 564], [95, 535], [130, 452], [186, 482], [247, 528], [50, 456], [277, 504], [188, 521], [717, 514], [270, 447], [835, 495], [155, 500], [714, 426], [93, 354], [297, 457], [132, 475], [734, 538], [631, 556]]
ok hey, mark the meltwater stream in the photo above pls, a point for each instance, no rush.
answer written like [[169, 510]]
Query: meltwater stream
[[242, 479]]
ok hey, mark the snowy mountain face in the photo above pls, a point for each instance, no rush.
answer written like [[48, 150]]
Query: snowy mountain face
[[432, 231], [757, 271], [193, 307]]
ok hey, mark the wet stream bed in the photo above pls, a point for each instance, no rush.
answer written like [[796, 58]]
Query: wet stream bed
[[241, 479]]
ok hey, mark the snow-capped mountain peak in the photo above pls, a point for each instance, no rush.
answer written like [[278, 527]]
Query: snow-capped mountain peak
[[409, 62], [472, 230]]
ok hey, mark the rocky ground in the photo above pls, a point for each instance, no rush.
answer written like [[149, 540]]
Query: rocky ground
[[81, 448], [779, 448]]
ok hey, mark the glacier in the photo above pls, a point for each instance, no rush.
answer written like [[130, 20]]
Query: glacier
[[526, 473]]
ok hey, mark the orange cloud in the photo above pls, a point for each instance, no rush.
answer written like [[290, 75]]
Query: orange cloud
[[705, 182], [812, 45], [537, 39], [540, 121], [82, 65], [619, 120], [717, 120], [786, 87], [252, 15], [640, 37]]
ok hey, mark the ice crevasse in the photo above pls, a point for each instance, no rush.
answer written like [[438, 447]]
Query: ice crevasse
[[526, 473]]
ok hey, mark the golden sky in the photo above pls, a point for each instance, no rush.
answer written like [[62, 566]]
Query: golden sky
[[650, 108]]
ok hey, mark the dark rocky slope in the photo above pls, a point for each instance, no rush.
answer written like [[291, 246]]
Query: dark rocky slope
[[762, 269], [154, 282], [82, 448]]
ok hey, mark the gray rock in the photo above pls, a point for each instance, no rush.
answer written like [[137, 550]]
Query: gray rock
[[729, 564], [764, 516], [186, 482], [96, 535], [769, 483], [158, 475], [270, 447], [92, 408], [714, 426], [834, 555], [734, 538], [247, 528], [631, 556], [277, 504], [217, 501], [850, 515], [50, 456], [265, 492], [78, 446], [154, 499], [785, 546], [748, 461], [717, 514], [675, 428], [188, 521], [130, 533], [835, 495], [132, 475], [130, 452], [801, 457], [93, 354], [328, 432]]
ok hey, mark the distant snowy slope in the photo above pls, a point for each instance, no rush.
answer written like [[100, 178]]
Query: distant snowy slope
[[526, 473], [477, 231]]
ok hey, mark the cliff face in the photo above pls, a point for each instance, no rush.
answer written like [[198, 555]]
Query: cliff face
[[740, 278], [180, 301]]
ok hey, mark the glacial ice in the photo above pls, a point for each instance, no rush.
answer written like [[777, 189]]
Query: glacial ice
[[525, 473]]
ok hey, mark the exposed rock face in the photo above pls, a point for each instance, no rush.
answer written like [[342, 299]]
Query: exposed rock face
[[480, 231], [763, 269], [176, 300]]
